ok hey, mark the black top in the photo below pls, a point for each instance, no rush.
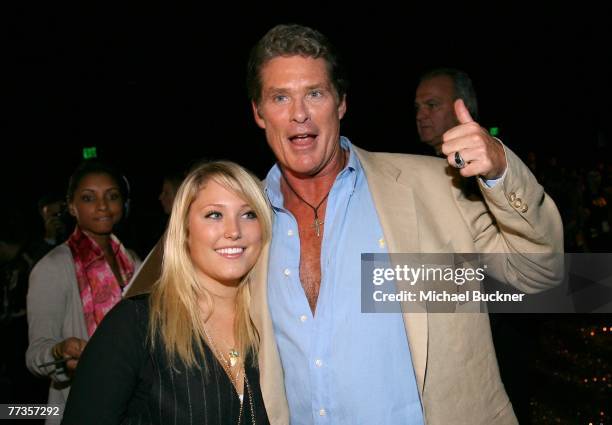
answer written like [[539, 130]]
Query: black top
[[120, 380]]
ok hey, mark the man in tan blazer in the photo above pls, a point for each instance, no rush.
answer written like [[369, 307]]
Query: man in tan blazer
[[298, 98], [453, 355]]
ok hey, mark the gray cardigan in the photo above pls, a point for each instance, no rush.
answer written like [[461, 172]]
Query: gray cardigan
[[55, 313]]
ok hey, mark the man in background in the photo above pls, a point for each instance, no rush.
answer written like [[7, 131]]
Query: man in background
[[434, 103], [52, 210]]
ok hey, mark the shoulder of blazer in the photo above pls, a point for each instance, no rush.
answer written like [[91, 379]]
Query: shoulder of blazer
[[405, 168]]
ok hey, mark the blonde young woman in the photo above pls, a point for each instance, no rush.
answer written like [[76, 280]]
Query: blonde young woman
[[188, 352]]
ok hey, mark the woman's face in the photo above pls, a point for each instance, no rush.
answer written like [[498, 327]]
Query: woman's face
[[97, 204], [225, 236]]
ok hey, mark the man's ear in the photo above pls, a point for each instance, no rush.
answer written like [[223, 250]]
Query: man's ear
[[342, 107], [257, 115]]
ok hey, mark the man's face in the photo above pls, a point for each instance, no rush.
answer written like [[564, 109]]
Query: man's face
[[300, 113], [52, 215], [435, 111]]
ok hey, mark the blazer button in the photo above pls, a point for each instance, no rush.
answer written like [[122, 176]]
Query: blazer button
[[511, 196], [525, 208], [518, 203]]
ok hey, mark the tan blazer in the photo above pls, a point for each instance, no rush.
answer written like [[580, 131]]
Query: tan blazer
[[422, 208]]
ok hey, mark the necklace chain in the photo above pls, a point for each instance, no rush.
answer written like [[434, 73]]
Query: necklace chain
[[227, 364], [317, 223]]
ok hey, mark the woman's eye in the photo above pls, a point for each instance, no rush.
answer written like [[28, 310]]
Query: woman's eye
[[251, 215], [114, 196], [213, 215], [87, 198]]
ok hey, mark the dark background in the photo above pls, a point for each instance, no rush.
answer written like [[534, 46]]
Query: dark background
[[156, 85]]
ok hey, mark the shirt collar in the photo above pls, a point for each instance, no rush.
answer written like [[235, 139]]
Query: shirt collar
[[348, 176]]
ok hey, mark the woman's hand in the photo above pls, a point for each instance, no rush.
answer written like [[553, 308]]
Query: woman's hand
[[70, 348]]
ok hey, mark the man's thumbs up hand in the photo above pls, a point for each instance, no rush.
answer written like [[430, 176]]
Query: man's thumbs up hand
[[480, 153]]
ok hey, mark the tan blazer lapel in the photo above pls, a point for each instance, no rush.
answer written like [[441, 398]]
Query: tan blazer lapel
[[148, 273], [271, 376], [394, 201]]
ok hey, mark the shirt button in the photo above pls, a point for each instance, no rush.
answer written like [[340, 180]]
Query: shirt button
[[289, 232], [318, 362], [303, 318], [322, 412], [287, 272]]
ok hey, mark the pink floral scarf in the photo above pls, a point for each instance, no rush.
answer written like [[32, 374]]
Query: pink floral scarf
[[98, 286]]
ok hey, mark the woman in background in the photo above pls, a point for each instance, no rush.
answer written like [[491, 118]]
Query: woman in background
[[73, 287]]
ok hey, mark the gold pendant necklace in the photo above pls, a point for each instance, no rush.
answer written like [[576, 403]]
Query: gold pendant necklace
[[233, 359]]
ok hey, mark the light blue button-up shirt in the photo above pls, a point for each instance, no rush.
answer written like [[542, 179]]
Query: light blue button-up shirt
[[341, 366]]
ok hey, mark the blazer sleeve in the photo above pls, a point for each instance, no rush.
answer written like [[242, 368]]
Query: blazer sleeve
[[109, 369], [47, 304], [525, 224]]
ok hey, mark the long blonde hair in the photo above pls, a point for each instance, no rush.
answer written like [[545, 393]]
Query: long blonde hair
[[175, 319]]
